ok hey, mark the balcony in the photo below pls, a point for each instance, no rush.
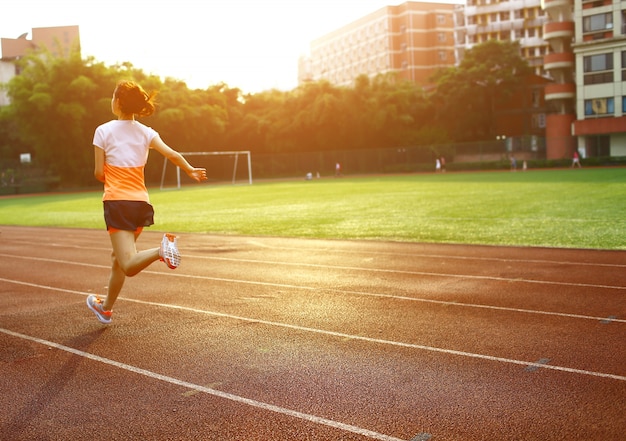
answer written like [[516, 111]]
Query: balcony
[[588, 4], [559, 61], [563, 29], [560, 91], [547, 4]]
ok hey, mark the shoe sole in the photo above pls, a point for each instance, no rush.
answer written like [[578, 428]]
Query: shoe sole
[[169, 256]]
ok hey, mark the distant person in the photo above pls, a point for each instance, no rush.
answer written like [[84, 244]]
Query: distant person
[[513, 163], [443, 164], [121, 150], [337, 170], [576, 160], [437, 165]]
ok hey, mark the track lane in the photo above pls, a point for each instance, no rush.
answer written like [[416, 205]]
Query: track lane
[[253, 340]]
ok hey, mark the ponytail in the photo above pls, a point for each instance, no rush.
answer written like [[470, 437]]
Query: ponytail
[[134, 100]]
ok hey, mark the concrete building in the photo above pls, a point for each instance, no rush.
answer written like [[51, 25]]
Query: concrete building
[[413, 39], [560, 64], [588, 63], [515, 20], [59, 40], [600, 53]]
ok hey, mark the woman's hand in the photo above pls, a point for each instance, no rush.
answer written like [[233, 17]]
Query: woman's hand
[[197, 174]]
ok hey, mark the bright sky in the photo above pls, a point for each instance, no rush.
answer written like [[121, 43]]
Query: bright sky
[[250, 44]]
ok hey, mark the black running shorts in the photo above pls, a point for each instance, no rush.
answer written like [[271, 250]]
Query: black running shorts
[[128, 215]]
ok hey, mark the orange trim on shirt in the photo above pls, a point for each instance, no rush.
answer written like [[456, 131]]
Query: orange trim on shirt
[[124, 184]]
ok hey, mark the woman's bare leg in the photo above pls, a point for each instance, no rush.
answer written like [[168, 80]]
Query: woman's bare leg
[[126, 261]]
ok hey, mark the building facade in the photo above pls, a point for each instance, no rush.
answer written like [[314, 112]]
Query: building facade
[[600, 53], [59, 40], [505, 20], [412, 39], [560, 63]]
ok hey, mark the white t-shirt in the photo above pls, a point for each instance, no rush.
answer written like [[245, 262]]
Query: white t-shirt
[[126, 144]]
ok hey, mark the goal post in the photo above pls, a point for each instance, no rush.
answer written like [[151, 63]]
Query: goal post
[[234, 154]]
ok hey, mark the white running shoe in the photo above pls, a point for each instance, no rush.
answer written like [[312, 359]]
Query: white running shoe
[[169, 252], [95, 304]]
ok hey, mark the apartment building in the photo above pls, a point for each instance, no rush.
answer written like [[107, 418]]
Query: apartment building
[[560, 63], [413, 39], [588, 63], [600, 53], [59, 40], [515, 20]]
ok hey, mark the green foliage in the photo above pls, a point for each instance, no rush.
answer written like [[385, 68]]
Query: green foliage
[[56, 104], [466, 95], [53, 104]]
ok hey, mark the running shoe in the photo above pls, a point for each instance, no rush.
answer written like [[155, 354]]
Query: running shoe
[[95, 304], [169, 252]]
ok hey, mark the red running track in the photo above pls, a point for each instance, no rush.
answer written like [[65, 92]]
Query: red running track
[[286, 339]]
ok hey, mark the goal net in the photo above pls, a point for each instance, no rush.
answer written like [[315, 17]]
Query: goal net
[[222, 166]]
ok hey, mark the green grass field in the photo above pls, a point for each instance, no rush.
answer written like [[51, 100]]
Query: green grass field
[[555, 208]]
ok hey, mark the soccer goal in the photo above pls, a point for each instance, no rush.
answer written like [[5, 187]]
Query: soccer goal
[[230, 157]]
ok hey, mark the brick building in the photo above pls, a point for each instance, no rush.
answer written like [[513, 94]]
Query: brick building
[[413, 39], [59, 40]]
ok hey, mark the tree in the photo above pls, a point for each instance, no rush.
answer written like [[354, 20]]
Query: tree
[[56, 103], [466, 96]]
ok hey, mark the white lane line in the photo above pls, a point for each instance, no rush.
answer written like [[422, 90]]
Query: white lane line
[[373, 270], [370, 252], [397, 297], [362, 293], [433, 256], [413, 273], [346, 336], [448, 256], [217, 393]]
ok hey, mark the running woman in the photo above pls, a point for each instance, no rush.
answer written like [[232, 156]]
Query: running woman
[[121, 150]]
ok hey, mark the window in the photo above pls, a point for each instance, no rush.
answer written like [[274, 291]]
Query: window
[[594, 63], [624, 66], [538, 121], [624, 105], [598, 68], [598, 145], [441, 19], [598, 22], [599, 107], [536, 98]]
